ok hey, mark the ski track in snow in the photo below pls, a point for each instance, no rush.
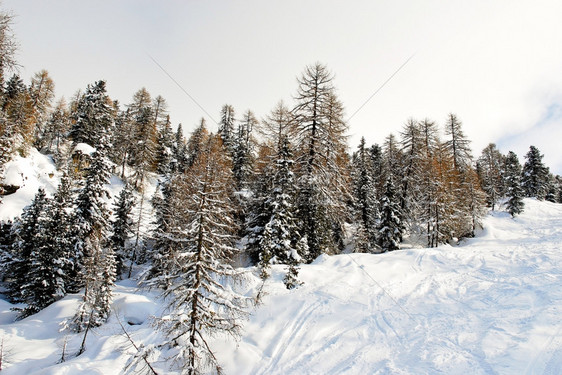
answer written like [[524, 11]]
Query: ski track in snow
[[491, 305]]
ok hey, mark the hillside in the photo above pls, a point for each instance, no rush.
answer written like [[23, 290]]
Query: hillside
[[490, 305]]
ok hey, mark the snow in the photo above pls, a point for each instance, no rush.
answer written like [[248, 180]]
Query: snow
[[490, 305], [29, 173], [84, 148]]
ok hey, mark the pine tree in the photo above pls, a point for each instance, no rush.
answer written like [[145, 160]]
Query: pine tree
[[390, 227], [281, 240], [28, 232], [97, 261], [243, 151], [199, 302], [122, 227], [51, 263], [179, 152], [56, 128], [93, 116], [227, 130], [490, 166], [514, 191], [534, 178], [165, 145], [365, 202]]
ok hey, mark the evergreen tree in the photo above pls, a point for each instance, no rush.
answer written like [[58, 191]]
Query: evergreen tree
[[390, 227], [122, 227], [514, 191], [243, 151], [365, 202], [97, 261], [200, 305], [227, 130], [179, 151], [281, 240], [93, 116], [28, 233], [56, 128], [491, 173], [8, 46], [51, 261], [165, 144], [534, 178]]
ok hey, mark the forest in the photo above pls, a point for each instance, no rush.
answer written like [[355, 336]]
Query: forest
[[283, 189]]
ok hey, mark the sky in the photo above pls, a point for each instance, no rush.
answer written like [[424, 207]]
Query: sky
[[496, 64]]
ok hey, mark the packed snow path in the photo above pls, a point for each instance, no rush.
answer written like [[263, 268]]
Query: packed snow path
[[491, 305]]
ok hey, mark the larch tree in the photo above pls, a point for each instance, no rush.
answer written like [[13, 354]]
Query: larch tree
[[319, 138], [199, 301], [8, 46], [42, 93]]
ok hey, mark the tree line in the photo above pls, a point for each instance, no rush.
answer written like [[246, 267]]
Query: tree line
[[280, 190]]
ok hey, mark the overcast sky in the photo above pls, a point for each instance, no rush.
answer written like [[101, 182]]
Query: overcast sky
[[496, 64]]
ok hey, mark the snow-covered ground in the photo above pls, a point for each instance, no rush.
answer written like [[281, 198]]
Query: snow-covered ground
[[491, 305]]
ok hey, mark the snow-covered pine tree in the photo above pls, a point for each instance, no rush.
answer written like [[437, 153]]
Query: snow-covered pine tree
[[513, 188], [51, 260], [122, 227], [179, 152], [28, 232], [227, 130], [165, 144], [243, 151], [281, 240], [534, 177], [93, 116], [390, 227], [200, 303], [365, 202], [56, 128], [97, 273], [490, 168]]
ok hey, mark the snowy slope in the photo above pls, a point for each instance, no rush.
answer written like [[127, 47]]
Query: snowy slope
[[491, 305]]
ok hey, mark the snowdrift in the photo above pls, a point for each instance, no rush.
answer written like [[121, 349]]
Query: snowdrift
[[491, 305]]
